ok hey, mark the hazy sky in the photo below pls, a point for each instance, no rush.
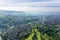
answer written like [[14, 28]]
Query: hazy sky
[[31, 5]]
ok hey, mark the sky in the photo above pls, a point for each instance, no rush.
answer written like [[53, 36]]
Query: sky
[[31, 5]]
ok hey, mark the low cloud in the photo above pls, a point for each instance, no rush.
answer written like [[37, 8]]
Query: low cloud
[[32, 9], [31, 5]]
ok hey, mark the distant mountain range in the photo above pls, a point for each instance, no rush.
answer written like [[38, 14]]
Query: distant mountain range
[[22, 13]]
